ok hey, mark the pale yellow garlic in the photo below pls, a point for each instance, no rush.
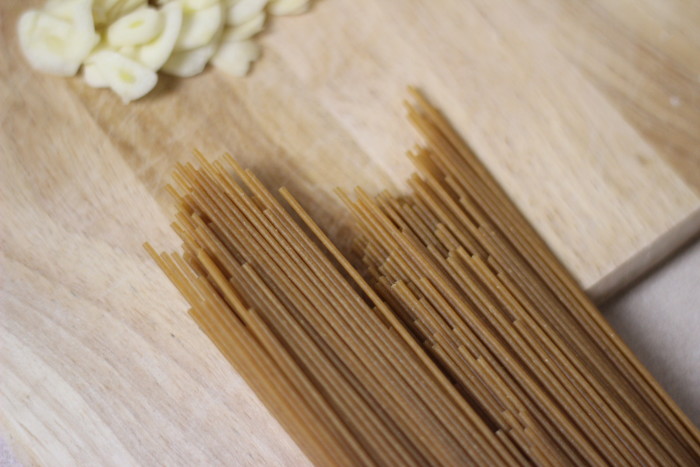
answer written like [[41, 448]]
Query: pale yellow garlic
[[136, 28], [244, 10], [128, 78], [246, 30], [129, 51], [55, 45], [123, 7], [196, 5], [134, 40], [191, 62], [100, 11], [93, 76], [235, 58], [155, 53], [199, 27], [78, 12]]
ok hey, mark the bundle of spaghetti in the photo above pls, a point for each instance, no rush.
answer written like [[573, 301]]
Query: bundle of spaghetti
[[462, 340], [471, 279], [344, 377]]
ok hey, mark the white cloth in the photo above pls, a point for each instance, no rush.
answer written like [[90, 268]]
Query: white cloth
[[659, 318]]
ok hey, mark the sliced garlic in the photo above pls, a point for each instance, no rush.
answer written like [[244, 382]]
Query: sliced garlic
[[99, 15], [129, 51], [196, 5], [100, 10], [243, 10], [128, 78], [79, 14], [288, 7], [94, 77], [138, 27], [69, 9], [123, 7], [43, 38], [136, 40], [199, 27], [101, 45], [54, 45], [105, 5], [156, 53], [235, 57], [246, 30], [190, 62]]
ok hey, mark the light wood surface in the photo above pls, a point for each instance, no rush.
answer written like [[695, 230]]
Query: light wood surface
[[587, 112]]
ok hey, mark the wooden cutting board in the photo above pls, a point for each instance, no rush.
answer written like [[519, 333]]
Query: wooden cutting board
[[587, 112]]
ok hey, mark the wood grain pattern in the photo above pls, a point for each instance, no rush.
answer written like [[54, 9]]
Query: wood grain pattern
[[587, 112]]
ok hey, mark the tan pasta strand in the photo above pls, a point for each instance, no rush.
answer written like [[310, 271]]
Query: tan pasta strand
[[460, 340]]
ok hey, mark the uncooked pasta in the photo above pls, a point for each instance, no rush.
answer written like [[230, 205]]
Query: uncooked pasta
[[460, 339]]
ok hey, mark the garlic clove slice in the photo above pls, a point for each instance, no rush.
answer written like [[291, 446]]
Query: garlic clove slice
[[199, 27], [190, 62], [100, 11], [246, 30], [93, 76], [156, 53], [79, 14], [235, 58], [70, 10], [196, 5], [244, 10], [129, 51], [128, 78], [123, 7], [138, 27], [104, 4], [48, 43]]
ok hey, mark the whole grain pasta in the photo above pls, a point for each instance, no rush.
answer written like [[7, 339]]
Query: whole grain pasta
[[460, 340]]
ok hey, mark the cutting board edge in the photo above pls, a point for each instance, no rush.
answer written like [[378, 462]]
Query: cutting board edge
[[637, 266]]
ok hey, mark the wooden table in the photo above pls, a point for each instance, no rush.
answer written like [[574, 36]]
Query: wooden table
[[587, 112]]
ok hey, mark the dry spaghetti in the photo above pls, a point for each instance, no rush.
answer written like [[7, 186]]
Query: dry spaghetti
[[462, 340]]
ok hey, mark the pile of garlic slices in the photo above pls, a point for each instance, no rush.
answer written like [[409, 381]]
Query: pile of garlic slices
[[122, 44]]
